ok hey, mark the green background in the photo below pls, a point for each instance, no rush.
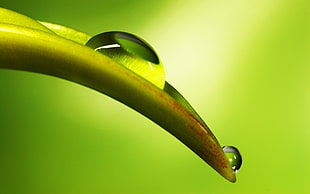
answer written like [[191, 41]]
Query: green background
[[243, 65]]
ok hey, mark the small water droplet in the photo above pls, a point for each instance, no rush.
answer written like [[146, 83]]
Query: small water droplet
[[131, 52], [234, 157]]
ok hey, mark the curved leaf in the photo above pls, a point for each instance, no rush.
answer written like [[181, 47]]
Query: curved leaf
[[64, 56]]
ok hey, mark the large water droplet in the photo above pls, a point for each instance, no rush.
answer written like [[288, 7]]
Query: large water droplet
[[234, 157], [131, 52]]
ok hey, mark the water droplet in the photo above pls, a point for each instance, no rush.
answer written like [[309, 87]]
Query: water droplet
[[234, 157], [131, 52]]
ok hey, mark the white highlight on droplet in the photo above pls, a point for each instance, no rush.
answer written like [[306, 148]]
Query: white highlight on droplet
[[108, 46], [150, 65]]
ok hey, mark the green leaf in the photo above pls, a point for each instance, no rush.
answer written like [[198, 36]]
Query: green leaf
[[59, 51]]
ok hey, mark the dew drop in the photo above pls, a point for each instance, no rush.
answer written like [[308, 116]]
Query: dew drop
[[131, 52], [234, 157]]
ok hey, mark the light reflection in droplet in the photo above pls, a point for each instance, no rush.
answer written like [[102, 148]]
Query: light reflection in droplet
[[234, 157]]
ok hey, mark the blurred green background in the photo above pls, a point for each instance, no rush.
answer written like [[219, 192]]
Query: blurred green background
[[244, 65]]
